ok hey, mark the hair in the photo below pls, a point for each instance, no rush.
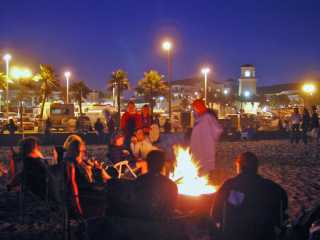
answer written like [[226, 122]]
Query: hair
[[248, 162], [296, 109], [200, 104], [27, 146], [131, 102], [156, 160], [60, 152], [314, 108], [72, 145]]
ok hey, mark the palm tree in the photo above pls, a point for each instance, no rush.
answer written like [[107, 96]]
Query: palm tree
[[3, 84], [79, 90], [151, 86], [119, 81], [48, 82]]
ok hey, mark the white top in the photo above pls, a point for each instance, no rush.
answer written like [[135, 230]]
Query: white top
[[142, 148]]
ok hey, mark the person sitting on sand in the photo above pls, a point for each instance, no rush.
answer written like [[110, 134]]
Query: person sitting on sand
[[249, 206], [117, 150], [157, 193], [80, 172]]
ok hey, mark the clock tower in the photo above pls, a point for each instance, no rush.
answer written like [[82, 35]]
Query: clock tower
[[247, 81]]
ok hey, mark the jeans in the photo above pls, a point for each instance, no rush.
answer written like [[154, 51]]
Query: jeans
[[295, 133]]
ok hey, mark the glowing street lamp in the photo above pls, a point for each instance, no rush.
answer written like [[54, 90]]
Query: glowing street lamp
[[205, 71], [7, 58], [225, 92], [167, 46], [67, 76], [247, 94], [309, 88]]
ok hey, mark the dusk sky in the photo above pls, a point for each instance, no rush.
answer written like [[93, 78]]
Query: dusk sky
[[93, 38]]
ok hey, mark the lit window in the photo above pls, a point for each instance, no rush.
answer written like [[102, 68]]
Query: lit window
[[247, 73]]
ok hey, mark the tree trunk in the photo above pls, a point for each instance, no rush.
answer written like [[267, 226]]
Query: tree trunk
[[118, 102], [44, 99], [80, 102]]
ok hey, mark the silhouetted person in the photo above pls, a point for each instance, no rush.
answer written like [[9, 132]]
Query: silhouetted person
[[167, 126], [249, 206], [305, 125], [295, 125], [157, 193], [48, 126], [12, 127], [315, 124]]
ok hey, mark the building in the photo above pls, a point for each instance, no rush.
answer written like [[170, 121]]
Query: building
[[247, 81]]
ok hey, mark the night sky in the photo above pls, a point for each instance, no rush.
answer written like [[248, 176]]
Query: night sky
[[93, 38]]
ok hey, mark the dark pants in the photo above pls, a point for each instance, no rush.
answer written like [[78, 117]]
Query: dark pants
[[304, 135], [295, 133]]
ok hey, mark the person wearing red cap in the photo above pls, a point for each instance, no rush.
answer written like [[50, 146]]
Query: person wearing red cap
[[205, 136]]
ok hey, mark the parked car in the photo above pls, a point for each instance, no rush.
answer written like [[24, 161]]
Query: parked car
[[28, 123]]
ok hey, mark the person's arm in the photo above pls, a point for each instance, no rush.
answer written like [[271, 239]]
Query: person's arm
[[218, 206], [123, 121], [75, 187]]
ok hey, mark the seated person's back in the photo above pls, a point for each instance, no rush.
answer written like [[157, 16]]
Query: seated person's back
[[249, 206], [35, 172], [157, 193]]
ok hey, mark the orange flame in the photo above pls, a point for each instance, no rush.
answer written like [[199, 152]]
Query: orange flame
[[186, 175]]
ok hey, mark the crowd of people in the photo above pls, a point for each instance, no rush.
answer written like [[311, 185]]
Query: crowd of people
[[246, 206], [304, 125]]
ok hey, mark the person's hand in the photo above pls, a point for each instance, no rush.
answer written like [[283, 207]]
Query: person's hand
[[125, 152]]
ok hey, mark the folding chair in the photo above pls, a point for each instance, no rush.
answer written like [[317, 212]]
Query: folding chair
[[121, 165]]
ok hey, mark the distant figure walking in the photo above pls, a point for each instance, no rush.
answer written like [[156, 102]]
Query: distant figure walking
[[295, 126], [205, 136], [305, 125], [315, 124], [11, 127]]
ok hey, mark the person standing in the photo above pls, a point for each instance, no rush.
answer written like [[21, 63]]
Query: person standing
[[295, 125], [205, 136], [130, 122], [315, 124], [305, 125], [146, 119], [12, 127]]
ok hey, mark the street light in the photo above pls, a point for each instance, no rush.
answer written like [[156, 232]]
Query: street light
[[309, 88], [67, 76], [167, 46], [205, 71], [7, 58], [225, 92]]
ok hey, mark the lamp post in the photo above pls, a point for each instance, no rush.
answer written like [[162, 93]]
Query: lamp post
[[205, 71], [309, 89], [67, 76], [7, 58], [167, 46]]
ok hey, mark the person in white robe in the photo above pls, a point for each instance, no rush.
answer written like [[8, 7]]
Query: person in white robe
[[205, 136]]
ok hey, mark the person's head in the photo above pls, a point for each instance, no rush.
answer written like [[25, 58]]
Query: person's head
[[199, 106], [98, 120], [247, 163], [75, 147], [131, 108], [11, 121], [296, 110], [145, 110], [314, 108], [305, 111], [140, 135], [119, 140], [29, 146], [156, 160]]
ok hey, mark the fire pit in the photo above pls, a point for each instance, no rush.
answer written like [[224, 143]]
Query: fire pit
[[195, 193]]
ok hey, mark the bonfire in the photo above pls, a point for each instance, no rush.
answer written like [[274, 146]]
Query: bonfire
[[186, 174]]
